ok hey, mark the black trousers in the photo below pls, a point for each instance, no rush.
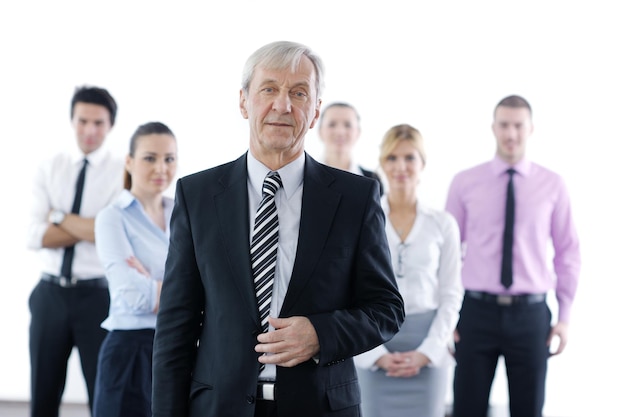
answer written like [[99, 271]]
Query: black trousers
[[265, 409], [61, 319], [124, 379], [518, 333]]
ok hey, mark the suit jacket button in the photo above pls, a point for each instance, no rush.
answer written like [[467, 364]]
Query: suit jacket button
[[250, 399]]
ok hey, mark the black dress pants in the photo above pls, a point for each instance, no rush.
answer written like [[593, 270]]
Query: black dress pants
[[487, 331], [124, 379], [62, 318], [265, 409]]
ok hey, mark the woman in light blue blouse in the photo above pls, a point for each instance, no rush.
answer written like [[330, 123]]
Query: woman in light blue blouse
[[132, 238], [408, 375]]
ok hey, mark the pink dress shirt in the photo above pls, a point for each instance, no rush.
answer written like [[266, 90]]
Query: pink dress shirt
[[543, 225]]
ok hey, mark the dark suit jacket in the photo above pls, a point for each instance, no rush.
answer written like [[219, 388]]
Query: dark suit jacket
[[204, 363], [373, 175]]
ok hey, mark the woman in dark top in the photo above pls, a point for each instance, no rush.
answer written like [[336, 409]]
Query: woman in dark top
[[339, 129]]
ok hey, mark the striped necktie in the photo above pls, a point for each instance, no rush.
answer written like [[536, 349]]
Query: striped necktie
[[264, 247]]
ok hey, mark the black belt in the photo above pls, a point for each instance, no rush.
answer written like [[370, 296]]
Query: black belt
[[98, 282], [506, 300], [266, 390]]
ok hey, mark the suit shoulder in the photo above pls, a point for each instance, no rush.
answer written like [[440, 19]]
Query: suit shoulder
[[369, 173], [206, 174], [350, 181]]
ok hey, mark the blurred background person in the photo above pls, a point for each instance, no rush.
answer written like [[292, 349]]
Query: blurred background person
[[339, 130], [520, 240], [408, 376], [71, 299], [132, 238]]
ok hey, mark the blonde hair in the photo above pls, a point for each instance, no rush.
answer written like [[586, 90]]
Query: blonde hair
[[399, 133]]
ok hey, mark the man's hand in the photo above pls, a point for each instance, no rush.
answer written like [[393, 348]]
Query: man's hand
[[294, 341], [559, 330]]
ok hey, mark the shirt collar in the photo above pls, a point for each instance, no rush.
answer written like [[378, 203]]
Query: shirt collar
[[291, 174], [499, 167], [125, 199], [94, 158]]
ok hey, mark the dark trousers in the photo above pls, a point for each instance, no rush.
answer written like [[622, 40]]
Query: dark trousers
[[124, 380], [519, 333], [265, 409], [62, 318]]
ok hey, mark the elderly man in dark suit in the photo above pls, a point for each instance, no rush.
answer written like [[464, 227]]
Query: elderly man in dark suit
[[278, 270]]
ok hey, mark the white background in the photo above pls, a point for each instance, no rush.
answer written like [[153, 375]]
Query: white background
[[440, 66]]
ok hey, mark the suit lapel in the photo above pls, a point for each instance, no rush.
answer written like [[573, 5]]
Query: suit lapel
[[232, 214], [319, 204]]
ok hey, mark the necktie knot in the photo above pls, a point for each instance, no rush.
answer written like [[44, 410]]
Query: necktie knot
[[271, 184], [510, 171]]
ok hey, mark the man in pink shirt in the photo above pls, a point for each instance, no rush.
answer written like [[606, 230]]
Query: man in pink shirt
[[509, 211]]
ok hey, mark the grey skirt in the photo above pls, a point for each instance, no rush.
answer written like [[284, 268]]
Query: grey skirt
[[420, 396]]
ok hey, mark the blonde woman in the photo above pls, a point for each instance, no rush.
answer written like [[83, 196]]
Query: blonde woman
[[408, 375]]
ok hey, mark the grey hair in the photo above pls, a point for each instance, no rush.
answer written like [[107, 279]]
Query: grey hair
[[280, 55]]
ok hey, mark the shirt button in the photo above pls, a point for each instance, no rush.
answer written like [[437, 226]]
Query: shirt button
[[250, 399]]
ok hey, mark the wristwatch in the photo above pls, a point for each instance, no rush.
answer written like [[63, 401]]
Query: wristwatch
[[56, 217]]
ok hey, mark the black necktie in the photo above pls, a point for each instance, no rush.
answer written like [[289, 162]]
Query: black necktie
[[506, 276], [264, 247], [68, 254]]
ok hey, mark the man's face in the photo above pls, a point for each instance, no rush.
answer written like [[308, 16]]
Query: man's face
[[512, 126], [281, 107], [91, 122]]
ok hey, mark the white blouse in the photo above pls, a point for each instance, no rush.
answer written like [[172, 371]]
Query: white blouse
[[428, 272]]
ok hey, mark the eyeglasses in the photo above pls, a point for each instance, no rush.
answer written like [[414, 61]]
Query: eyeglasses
[[399, 270]]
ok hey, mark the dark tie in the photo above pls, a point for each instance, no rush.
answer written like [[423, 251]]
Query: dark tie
[[506, 276], [264, 247], [68, 254]]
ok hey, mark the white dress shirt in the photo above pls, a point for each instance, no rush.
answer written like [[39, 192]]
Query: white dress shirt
[[428, 272], [54, 188], [289, 206]]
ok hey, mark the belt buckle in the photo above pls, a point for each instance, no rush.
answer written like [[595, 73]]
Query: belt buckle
[[66, 282], [504, 300], [267, 391]]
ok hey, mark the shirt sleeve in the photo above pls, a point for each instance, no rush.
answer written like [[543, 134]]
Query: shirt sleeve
[[131, 291], [450, 293], [40, 206], [367, 360], [454, 205], [566, 253]]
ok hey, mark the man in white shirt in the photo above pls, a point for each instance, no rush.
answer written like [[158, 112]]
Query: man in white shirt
[[71, 299]]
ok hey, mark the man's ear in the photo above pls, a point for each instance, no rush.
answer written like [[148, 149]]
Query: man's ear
[[242, 104], [317, 113]]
